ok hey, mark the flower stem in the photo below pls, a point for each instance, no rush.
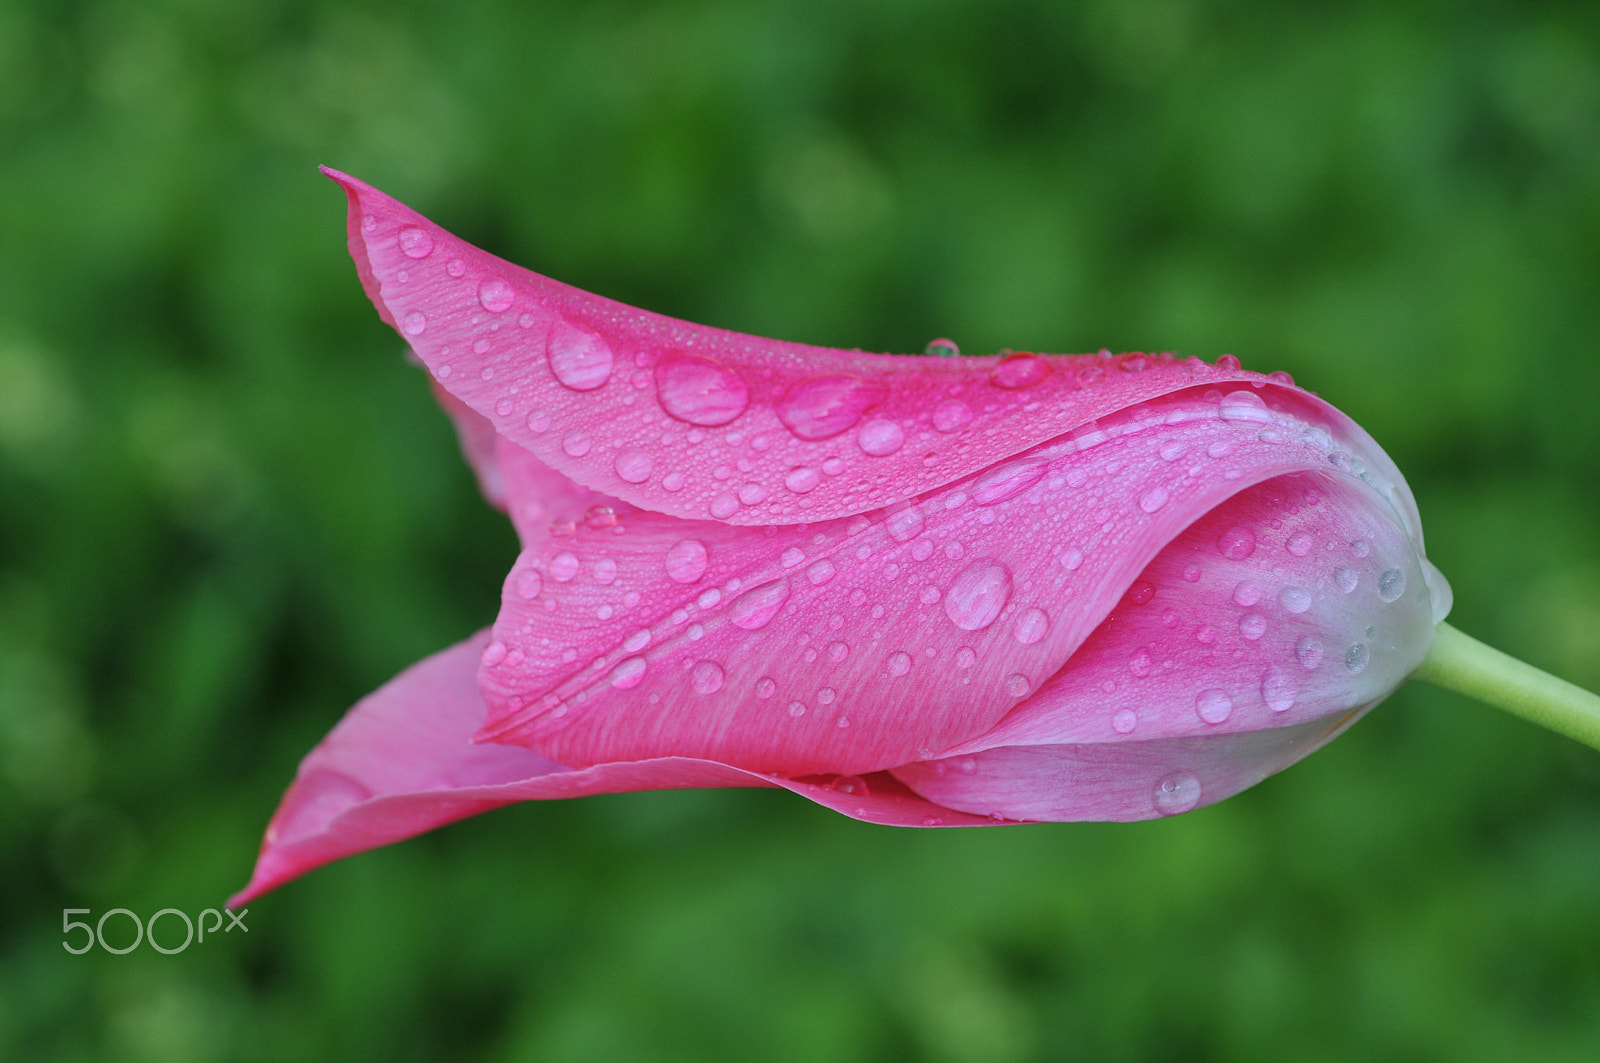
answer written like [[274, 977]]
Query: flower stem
[[1461, 663]]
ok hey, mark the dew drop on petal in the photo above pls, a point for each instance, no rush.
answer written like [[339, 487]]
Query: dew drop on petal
[[1124, 721], [1392, 584], [529, 584], [821, 407], [766, 686], [539, 421], [1356, 657], [1017, 371], [1252, 626], [563, 567], [1178, 792], [706, 677], [1031, 626], [801, 479], [1345, 579], [952, 415], [792, 557], [1214, 705], [1008, 480], [1278, 689], [755, 608], [942, 348], [415, 323], [1153, 499], [880, 437], [905, 524], [605, 571], [978, 594], [1299, 544], [1071, 558], [686, 560], [1308, 650], [751, 494], [637, 641], [1139, 664], [494, 653], [1017, 685], [1141, 592], [579, 359], [966, 657], [838, 651], [633, 465], [820, 572], [1247, 593], [495, 295], [1237, 543], [699, 391], [1295, 599], [416, 243], [899, 663], [628, 674], [576, 444], [724, 506]]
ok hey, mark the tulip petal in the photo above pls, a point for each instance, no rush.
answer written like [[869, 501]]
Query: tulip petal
[[856, 645], [647, 408], [1293, 601], [401, 762]]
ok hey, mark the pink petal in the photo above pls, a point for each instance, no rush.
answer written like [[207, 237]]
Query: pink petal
[[647, 408], [1116, 781], [401, 763], [856, 645]]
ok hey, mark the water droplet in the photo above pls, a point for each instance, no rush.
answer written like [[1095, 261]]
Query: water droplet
[[1139, 664], [1141, 592], [495, 295], [529, 584], [1247, 593], [905, 524], [1010, 479], [752, 494], [1345, 579], [1071, 558], [456, 268], [1356, 657], [633, 465], [952, 415], [637, 641], [1252, 626], [821, 407], [978, 594], [1031, 626], [1180, 791], [791, 557], [724, 506], [801, 479], [766, 686], [1192, 573], [1017, 371], [1173, 449], [697, 390], [494, 653], [579, 359], [1228, 361], [820, 572], [706, 677], [1244, 406], [1124, 722], [605, 571], [838, 651], [415, 323], [539, 421], [1295, 599], [796, 709], [686, 560], [1237, 543], [1220, 449], [708, 598], [849, 784], [563, 567], [1153, 499], [966, 656], [628, 674], [1214, 705], [1206, 634], [1309, 652], [755, 608], [416, 243], [1392, 584], [576, 444], [1278, 689], [1089, 375], [942, 348], [880, 437], [1299, 544], [899, 663], [1359, 548], [1017, 685]]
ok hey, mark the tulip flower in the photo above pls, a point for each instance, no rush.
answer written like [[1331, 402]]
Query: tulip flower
[[920, 590]]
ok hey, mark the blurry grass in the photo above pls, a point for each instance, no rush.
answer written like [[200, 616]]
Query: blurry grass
[[228, 509]]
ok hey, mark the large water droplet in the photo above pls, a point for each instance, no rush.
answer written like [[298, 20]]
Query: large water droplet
[[801, 479], [576, 444], [1214, 705], [1299, 544], [1031, 626], [415, 323], [1278, 689], [1237, 543], [495, 295], [706, 677], [1252, 626], [699, 391], [880, 437], [1178, 792], [528, 584], [1356, 657], [766, 686], [416, 243], [1017, 685], [1309, 652], [1244, 406], [1017, 371], [899, 663], [1124, 721], [905, 524], [1010, 479], [493, 653], [1392, 584], [821, 407], [1345, 579], [755, 608], [951, 416], [820, 572], [579, 359], [628, 674], [1247, 593], [1139, 664], [724, 506], [563, 567], [978, 594], [633, 465], [942, 348], [1295, 599], [686, 560], [1153, 499]]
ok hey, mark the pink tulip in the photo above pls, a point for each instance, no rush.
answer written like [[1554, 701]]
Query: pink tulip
[[918, 590]]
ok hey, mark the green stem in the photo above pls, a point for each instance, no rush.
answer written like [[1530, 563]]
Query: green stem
[[1461, 663]]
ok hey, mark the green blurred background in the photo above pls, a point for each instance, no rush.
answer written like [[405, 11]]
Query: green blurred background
[[228, 509]]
